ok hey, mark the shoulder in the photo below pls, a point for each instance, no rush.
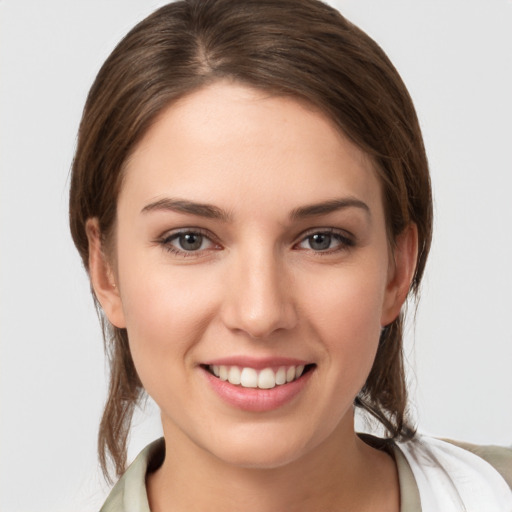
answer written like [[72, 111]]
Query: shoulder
[[499, 457], [130, 493], [114, 501], [452, 475]]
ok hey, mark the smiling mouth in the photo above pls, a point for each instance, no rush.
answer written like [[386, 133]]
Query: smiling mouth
[[267, 378]]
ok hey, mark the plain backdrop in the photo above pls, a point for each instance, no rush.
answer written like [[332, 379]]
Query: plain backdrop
[[455, 57]]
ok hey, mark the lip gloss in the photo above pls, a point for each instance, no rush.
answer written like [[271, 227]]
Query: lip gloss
[[255, 399]]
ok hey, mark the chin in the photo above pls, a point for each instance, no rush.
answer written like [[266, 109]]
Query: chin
[[258, 458], [262, 448]]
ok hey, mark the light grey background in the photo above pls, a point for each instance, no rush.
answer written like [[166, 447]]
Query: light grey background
[[455, 57]]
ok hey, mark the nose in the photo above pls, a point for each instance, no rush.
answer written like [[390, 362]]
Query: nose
[[258, 296]]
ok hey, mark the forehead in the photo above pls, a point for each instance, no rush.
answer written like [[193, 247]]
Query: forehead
[[269, 148]]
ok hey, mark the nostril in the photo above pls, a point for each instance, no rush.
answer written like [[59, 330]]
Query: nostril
[[260, 323]]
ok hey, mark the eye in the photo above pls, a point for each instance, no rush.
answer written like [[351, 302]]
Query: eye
[[325, 241], [190, 241], [187, 242]]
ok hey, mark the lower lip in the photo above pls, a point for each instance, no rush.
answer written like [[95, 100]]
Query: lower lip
[[255, 399]]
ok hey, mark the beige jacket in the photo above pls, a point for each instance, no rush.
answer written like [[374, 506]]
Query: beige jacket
[[129, 494]]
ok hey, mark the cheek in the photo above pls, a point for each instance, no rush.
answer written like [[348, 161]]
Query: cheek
[[166, 311], [345, 310], [167, 308], [348, 299]]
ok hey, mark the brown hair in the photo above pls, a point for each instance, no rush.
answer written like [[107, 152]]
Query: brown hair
[[299, 48]]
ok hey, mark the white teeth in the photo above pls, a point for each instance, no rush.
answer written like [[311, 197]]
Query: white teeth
[[281, 376], [251, 378], [234, 375], [267, 379]]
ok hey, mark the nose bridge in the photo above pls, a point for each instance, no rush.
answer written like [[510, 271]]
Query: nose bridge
[[258, 295]]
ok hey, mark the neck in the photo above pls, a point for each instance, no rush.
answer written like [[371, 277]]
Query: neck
[[341, 474]]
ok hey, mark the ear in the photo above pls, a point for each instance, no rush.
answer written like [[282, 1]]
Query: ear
[[102, 276], [400, 274]]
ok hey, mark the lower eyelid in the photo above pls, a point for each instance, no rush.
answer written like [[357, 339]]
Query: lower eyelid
[[182, 253]]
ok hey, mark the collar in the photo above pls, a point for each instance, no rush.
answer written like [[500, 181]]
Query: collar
[[130, 495]]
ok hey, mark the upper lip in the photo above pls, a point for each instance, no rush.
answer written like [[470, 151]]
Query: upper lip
[[256, 363]]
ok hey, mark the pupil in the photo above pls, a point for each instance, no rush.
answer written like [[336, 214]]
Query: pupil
[[320, 242], [190, 241]]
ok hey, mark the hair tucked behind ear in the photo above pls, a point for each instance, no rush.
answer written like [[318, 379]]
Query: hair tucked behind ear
[[298, 48]]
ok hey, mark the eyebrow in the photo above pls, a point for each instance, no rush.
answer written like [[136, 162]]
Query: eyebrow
[[330, 206], [183, 206], [210, 211]]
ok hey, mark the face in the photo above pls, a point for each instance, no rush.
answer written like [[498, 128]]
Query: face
[[253, 274]]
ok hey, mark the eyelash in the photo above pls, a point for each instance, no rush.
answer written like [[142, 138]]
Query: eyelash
[[345, 241], [166, 240]]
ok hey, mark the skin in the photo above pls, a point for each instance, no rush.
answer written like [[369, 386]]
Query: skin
[[257, 287]]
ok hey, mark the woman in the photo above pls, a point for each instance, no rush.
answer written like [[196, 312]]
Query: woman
[[251, 198]]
